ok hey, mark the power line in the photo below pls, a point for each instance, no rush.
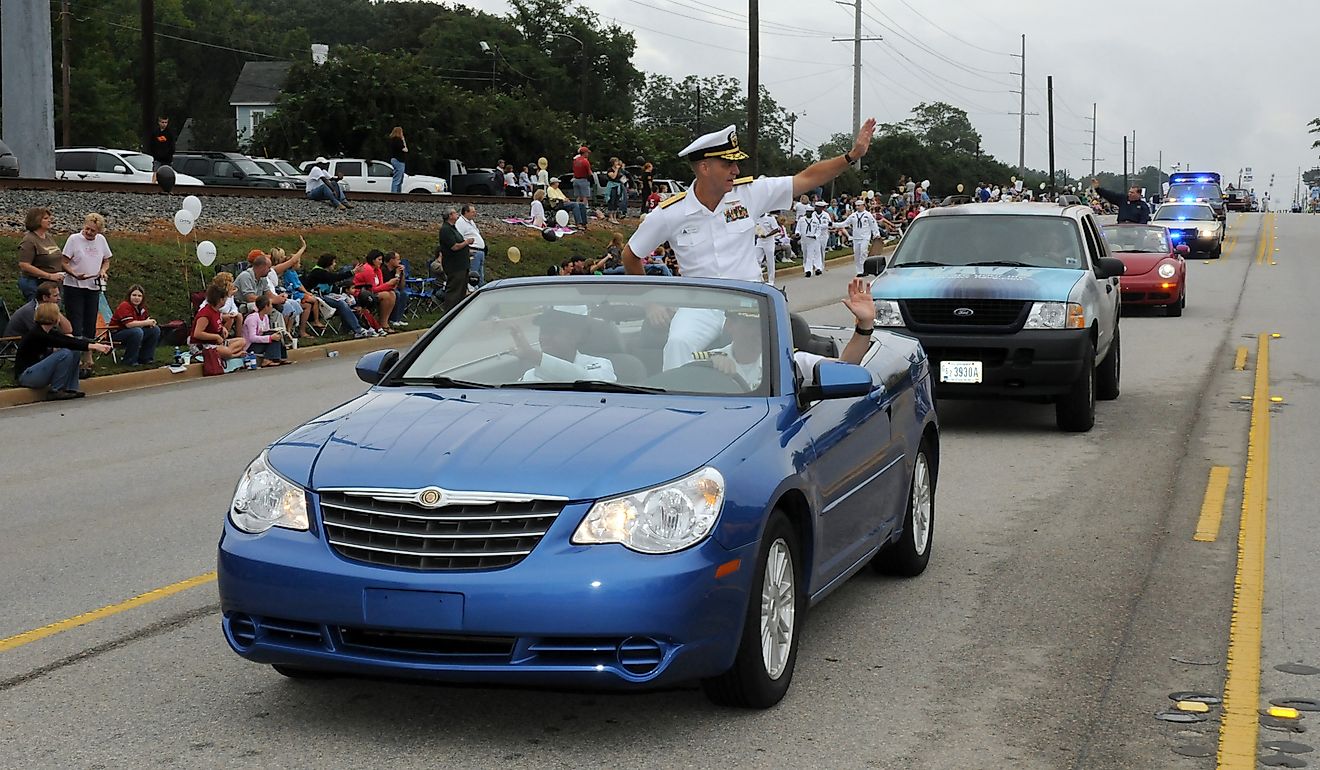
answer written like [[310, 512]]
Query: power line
[[950, 34], [707, 21], [743, 19], [899, 32]]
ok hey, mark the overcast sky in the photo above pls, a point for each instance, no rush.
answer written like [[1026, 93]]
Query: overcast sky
[[1219, 84]]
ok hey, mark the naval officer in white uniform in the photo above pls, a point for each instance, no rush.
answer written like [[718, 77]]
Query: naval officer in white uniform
[[711, 227], [767, 227], [861, 227]]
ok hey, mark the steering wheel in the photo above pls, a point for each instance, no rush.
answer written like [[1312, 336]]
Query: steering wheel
[[710, 364]]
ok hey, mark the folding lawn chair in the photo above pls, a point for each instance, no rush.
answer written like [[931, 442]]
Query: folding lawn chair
[[8, 345], [420, 292], [103, 316]]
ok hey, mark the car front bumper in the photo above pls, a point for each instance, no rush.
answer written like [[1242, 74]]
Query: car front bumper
[[1026, 364], [1150, 289], [581, 616]]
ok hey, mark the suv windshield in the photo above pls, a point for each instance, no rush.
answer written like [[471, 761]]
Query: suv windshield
[[138, 161], [1003, 239], [594, 335], [247, 166], [1148, 240], [1210, 192], [1185, 211], [287, 167]]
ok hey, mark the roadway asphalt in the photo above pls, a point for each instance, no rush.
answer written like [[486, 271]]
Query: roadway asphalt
[[1064, 601]]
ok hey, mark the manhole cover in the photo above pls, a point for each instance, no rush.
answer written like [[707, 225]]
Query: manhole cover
[[1301, 669]]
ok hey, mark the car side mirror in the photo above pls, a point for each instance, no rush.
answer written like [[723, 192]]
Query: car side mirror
[[372, 367], [836, 379], [121, 169], [873, 266], [1181, 249], [1111, 267]]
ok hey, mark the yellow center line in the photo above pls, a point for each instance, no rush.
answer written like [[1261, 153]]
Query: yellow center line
[[1239, 729], [1240, 360], [1212, 505], [18, 640]]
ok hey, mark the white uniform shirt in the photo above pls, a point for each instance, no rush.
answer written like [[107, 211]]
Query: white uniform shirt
[[861, 226], [751, 372], [816, 225], [314, 177], [582, 367], [766, 226], [719, 243], [801, 209], [468, 229]]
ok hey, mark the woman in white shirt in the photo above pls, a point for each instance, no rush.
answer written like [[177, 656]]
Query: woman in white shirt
[[538, 209]]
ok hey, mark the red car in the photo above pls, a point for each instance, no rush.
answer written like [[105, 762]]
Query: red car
[[1156, 272]]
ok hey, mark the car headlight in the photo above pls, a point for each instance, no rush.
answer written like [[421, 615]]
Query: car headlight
[[1167, 270], [1056, 315], [1207, 232], [887, 313], [264, 499], [286, 185], [661, 519]]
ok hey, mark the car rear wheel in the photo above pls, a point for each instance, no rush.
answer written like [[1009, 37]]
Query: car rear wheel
[[776, 605], [1075, 410], [419, 191], [1107, 378], [909, 555]]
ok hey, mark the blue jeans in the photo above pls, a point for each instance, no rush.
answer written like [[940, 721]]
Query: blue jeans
[[323, 193], [479, 265], [139, 344], [578, 211], [400, 305], [343, 311], [27, 286], [271, 351], [396, 183], [58, 371]]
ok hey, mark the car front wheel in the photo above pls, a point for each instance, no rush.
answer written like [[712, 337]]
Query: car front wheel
[[1075, 410], [1176, 309], [767, 652]]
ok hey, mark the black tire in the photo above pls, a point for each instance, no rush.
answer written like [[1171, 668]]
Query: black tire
[[1074, 411], [1111, 369], [1175, 310], [294, 672], [902, 557], [419, 191], [748, 684], [1217, 251]]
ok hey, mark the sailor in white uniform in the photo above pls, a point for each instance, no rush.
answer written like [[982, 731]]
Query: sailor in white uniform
[[559, 360], [813, 229], [711, 227], [767, 227], [861, 227]]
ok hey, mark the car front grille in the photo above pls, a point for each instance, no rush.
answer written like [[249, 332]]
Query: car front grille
[[475, 531], [979, 314], [1183, 235]]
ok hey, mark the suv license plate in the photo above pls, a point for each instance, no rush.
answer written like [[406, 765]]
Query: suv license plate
[[960, 371]]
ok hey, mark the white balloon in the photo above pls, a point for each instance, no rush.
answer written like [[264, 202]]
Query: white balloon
[[184, 221], [206, 253], [561, 218], [925, 185], [193, 205]]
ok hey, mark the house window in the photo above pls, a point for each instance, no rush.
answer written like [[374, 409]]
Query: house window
[[256, 118]]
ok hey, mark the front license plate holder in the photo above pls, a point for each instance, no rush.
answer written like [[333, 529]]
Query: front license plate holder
[[961, 372], [415, 610]]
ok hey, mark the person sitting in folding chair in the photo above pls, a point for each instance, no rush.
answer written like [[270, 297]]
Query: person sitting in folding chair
[[329, 285]]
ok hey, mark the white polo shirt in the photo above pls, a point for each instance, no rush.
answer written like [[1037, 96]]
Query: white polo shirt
[[719, 243]]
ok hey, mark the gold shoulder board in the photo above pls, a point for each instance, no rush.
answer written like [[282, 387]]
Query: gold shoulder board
[[672, 199], [743, 180]]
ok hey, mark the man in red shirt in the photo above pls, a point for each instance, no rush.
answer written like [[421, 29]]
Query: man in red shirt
[[582, 176]]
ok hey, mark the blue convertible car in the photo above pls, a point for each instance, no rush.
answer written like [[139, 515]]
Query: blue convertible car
[[537, 492]]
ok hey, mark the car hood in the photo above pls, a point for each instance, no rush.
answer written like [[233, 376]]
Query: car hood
[[1140, 262], [575, 445], [953, 282]]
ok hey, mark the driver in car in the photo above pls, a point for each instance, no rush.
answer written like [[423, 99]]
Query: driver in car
[[742, 356], [559, 359]]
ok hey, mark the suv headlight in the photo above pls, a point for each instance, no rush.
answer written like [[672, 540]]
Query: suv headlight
[[1208, 232], [264, 499], [1167, 270], [661, 519], [1056, 315], [286, 185], [887, 313]]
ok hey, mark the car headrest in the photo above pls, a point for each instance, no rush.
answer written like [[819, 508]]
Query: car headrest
[[806, 341]]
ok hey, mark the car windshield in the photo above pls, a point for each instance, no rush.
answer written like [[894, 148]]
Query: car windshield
[[1210, 192], [287, 168], [1147, 240], [247, 166], [139, 161], [600, 335], [993, 239], [1185, 211]]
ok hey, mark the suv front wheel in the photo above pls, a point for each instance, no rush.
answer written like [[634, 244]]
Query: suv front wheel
[[1075, 410]]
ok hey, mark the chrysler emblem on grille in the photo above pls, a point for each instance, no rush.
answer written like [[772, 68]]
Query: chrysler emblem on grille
[[431, 497], [963, 312]]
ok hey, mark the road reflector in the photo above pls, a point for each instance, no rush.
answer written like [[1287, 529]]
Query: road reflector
[[1280, 712], [1192, 705], [1276, 399], [1275, 336], [1245, 398]]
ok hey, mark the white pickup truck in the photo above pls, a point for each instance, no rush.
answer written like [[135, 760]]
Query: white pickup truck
[[375, 175]]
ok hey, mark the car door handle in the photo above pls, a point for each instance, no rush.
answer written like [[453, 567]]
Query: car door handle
[[1109, 288]]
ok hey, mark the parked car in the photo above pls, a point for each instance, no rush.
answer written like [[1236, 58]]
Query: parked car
[[1015, 300], [520, 513], [1155, 271], [229, 169], [104, 164], [668, 187], [471, 181], [377, 175], [280, 167], [8, 161], [1194, 225]]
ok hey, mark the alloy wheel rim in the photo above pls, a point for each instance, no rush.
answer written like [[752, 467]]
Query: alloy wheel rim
[[778, 608], [921, 505]]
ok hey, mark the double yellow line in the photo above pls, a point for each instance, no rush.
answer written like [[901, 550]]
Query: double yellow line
[[1265, 245]]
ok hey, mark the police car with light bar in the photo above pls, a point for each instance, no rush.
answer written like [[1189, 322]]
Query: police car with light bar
[[1198, 187]]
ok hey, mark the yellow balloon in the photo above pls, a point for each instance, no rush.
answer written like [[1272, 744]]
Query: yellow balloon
[[1012, 179], [960, 187], [542, 163], [514, 254]]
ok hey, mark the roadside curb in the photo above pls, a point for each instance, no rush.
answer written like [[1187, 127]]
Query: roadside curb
[[117, 383]]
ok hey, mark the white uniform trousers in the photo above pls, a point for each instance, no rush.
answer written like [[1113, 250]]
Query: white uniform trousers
[[860, 247], [691, 330], [813, 258], [765, 252]]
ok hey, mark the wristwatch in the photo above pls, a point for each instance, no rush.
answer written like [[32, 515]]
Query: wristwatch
[[849, 158], [863, 332]]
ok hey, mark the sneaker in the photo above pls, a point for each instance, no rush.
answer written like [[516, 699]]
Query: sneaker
[[76, 393], [818, 272], [806, 275], [61, 395], [399, 324], [363, 333]]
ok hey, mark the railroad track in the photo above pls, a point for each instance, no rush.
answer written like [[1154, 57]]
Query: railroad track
[[219, 191]]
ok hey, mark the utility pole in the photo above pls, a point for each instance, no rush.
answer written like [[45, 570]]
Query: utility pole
[[857, 41], [753, 80], [1093, 127], [698, 131], [1126, 186], [1049, 105], [1022, 112], [792, 134], [64, 74], [1134, 152], [148, 65]]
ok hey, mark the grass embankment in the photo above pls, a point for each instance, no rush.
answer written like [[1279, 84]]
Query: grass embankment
[[167, 268]]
